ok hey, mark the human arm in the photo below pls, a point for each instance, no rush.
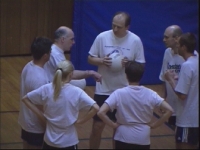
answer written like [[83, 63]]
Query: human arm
[[89, 114], [167, 113], [99, 61], [35, 109], [79, 74], [171, 78], [102, 114]]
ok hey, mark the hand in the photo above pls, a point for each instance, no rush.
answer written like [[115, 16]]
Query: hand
[[124, 61], [151, 125], [96, 75], [169, 75], [107, 61], [116, 125]]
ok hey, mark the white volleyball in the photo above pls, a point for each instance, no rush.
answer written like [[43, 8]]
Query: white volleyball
[[116, 61]]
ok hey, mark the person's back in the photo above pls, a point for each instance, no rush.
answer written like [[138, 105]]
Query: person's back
[[61, 102], [134, 105]]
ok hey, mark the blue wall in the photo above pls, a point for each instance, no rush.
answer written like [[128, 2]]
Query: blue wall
[[149, 20]]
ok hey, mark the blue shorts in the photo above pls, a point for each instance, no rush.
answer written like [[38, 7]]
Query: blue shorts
[[35, 139], [187, 135], [100, 99]]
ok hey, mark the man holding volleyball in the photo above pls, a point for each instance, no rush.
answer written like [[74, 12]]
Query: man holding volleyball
[[127, 44]]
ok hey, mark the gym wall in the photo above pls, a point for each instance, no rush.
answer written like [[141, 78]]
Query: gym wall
[[149, 20]]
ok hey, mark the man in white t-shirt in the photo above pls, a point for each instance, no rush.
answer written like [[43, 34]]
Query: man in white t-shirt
[[126, 43], [172, 61], [64, 40], [33, 76], [187, 90]]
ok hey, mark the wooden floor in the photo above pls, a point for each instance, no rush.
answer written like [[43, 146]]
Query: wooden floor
[[11, 67]]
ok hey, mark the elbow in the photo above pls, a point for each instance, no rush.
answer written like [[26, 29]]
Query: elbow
[[89, 59], [95, 108], [99, 114]]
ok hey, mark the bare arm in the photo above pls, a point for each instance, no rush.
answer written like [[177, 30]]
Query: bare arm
[[102, 114], [99, 61], [89, 115], [79, 74], [35, 109], [171, 79], [167, 113]]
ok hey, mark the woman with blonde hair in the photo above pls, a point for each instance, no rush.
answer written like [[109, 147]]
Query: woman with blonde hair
[[61, 104]]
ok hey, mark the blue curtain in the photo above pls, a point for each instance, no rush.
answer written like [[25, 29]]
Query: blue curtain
[[149, 20]]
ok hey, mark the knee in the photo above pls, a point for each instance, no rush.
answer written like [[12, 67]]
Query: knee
[[98, 127]]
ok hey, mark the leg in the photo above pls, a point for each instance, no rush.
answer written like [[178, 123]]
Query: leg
[[187, 138], [95, 137]]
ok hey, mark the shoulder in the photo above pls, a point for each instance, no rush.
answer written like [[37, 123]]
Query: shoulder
[[133, 35], [105, 33]]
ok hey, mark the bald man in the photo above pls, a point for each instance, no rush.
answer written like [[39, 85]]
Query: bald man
[[120, 40], [63, 41], [172, 61]]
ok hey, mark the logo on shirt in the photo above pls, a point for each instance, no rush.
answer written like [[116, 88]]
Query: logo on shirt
[[175, 67]]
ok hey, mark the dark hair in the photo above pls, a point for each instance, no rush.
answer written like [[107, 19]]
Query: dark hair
[[134, 71], [128, 18], [40, 46], [59, 33], [188, 40]]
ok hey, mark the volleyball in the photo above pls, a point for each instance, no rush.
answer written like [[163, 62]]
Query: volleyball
[[116, 61]]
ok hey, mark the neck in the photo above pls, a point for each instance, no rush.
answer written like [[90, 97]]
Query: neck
[[175, 50], [187, 55], [59, 45], [134, 83], [39, 63]]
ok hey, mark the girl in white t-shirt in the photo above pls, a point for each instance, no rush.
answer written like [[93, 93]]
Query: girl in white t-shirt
[[61, 104], [134, 105]]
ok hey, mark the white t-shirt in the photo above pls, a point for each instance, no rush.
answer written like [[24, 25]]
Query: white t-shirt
[[57, 55], [173, 62], [130, 46], [134, 105], [32, 77], [62, 113], [188, 83]]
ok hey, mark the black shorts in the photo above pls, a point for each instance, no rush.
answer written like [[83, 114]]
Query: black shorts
[[172, 120], [35, 139], [100, 99], [46, 146], [187, 135], [122, 145]]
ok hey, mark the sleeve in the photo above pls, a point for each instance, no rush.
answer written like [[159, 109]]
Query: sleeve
[[184, 81], [157, 100], [140, 51], [112, 101], [164, 67], [37, 96], [94, 50], [85, 101]]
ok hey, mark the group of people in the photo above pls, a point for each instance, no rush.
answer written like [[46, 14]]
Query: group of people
[[52, 91]]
